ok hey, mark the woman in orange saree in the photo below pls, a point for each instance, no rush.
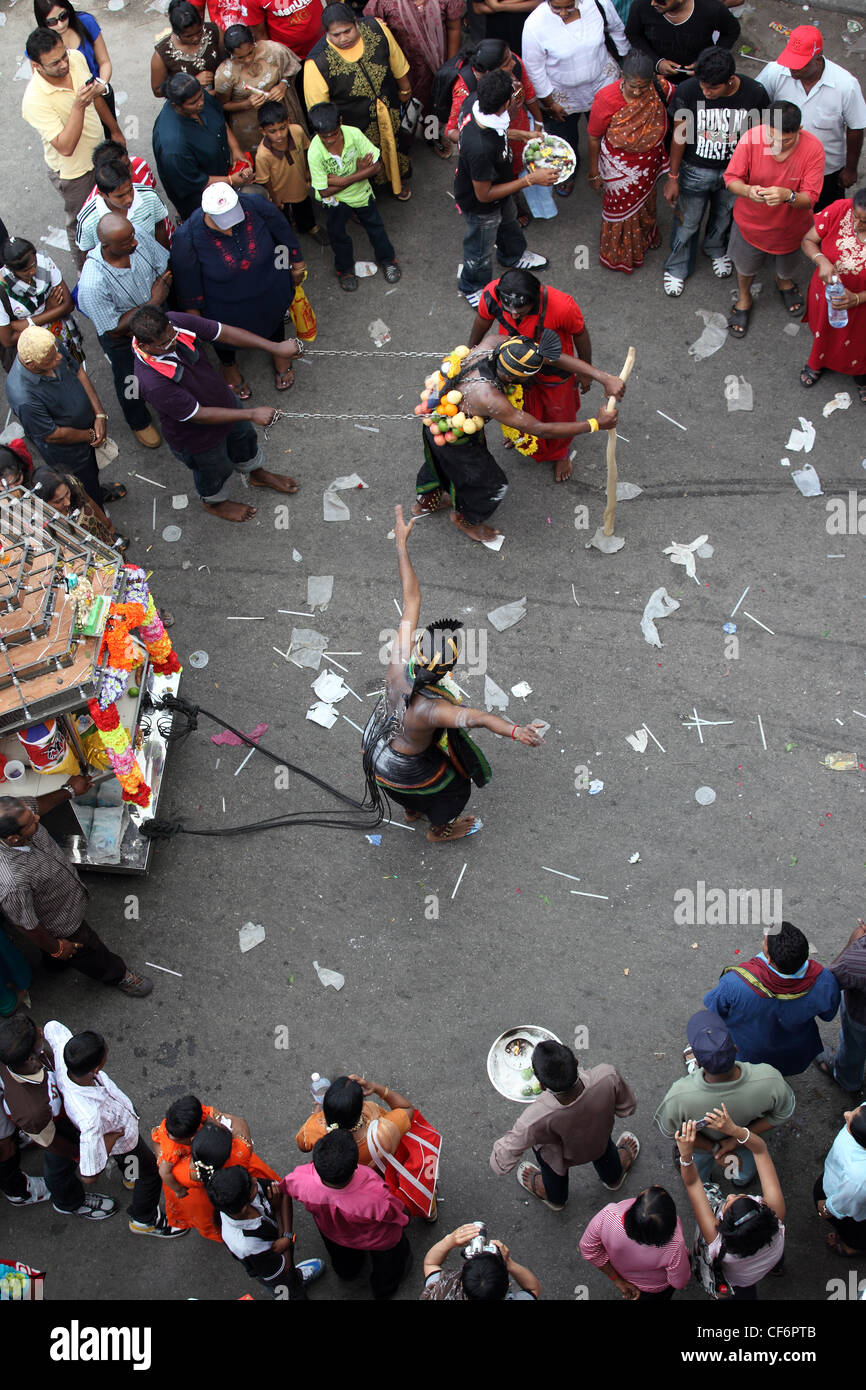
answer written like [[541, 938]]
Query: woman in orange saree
[[627, 156], [192, 1142]]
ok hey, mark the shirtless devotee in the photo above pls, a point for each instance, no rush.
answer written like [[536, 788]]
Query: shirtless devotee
[[415, 745], [459, 470]]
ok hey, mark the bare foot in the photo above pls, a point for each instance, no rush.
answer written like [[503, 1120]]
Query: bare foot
[[277, 482], [563, 470], [480, 532], [454, 830], [627, 1150], [230, 511]]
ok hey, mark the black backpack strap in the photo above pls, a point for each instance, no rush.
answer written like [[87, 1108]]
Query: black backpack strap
[[608, 41]]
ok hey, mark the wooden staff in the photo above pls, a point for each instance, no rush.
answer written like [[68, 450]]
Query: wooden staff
[[612, 474]]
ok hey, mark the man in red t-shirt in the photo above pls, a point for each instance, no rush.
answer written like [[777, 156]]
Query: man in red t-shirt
[[520, 304], [777, 173], [295, 23], [224, 13]]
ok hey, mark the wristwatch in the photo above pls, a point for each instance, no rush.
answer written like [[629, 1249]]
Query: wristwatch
[[793, 197], [66, 788]]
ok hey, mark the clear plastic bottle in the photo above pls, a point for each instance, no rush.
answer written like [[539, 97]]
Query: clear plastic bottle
[[838, 317], [318, 1086]]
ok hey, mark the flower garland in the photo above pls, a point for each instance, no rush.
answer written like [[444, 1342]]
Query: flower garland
[[139, 611], [525, 444]]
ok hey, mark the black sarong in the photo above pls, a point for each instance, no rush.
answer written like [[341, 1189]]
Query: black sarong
[[467, 471]]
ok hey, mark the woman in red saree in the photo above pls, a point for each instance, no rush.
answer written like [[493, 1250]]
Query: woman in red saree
[[837, 246], [627, 156], [225, 1140]]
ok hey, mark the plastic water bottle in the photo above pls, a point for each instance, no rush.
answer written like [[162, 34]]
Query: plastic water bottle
[[838, 317], [318, 1086]]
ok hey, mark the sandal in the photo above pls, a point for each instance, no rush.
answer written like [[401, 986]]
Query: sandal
[[453, 831], [723, 266], [565, 190], [392, 273], [528, 1176], [808, 376], [242, 390], [792, 298], [738, 322], [404, 195], [444, 148], [347, 280], [673, 285], [835, 1244], [623, 1144], [284, 381], [114, 493]]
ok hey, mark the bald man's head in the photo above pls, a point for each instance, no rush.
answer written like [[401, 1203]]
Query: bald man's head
[[116, 234]]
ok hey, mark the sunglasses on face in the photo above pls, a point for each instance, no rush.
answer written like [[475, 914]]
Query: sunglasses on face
[[58, 19]]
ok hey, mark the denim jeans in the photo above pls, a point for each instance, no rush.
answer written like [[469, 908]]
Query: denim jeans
[[699, 189], [212, 468], [370, 219], [707, 1171], [608, 1168], [850, 1060], [500, 228]]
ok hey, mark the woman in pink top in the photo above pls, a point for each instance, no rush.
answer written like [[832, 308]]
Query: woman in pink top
[[745, 1237], [639, 1245]]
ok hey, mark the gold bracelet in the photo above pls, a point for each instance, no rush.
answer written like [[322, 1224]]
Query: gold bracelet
[[593, 425]]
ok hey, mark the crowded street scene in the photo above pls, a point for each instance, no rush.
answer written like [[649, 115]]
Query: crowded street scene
[[431, 657]]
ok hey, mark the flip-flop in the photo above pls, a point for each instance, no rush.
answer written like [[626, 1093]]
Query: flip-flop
[[627, 1134], [738, 322], [280, 383], [792, 298], [526, 1174], [242, 390], [114, 493], [809, 376]]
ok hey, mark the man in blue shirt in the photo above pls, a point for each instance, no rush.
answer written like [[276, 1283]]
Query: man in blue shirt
[[769, 1003], [125, 270], [58, 407]]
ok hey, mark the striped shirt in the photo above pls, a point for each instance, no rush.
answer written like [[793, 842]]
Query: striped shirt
[[650, 1268], [107, 292], [141, 176], [39, 887], [95, 1111], [145, 212]]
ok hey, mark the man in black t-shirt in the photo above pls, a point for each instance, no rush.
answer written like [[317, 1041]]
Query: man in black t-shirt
[[710, 111], [674, 32], [484, 188]]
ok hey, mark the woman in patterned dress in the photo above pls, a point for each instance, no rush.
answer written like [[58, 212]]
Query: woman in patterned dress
[[428, 32], [255, 71], [359, 66], [192, 45], [837, 246], [627, 156]]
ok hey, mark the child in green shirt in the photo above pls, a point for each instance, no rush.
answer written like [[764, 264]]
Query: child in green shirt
[[341, 160]]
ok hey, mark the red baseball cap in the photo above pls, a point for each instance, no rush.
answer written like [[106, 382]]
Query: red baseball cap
[[805, 43]]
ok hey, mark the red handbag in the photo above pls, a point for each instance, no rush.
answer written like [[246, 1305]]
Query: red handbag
[[412, 1172]]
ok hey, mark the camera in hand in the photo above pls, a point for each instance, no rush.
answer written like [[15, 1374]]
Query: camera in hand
[[479, 1245]]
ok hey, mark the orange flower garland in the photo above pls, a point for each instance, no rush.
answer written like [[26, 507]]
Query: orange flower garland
[[123, 656]]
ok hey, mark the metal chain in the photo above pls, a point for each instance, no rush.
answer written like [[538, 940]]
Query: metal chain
[[350, 352], [318, 415]]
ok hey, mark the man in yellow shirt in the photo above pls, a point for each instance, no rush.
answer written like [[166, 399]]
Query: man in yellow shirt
[[65, 106]]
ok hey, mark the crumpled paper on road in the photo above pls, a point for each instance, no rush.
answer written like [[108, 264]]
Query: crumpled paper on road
[[508, 614], [682, 554], [307, 647], [714, 336], [494, 696], [802, 438], [660, 605]]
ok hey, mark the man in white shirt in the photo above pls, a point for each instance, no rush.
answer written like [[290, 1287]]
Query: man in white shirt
[[108, 1126], [567, 53], [831, 101]]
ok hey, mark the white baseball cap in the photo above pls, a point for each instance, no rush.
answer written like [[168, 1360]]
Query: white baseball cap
[[222, 204]]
